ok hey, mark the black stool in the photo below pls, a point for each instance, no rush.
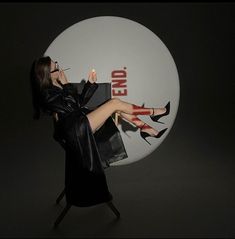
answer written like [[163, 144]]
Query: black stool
[[102, 94], [68, 206]]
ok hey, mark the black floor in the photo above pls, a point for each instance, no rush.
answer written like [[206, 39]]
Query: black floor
[[184, 189]]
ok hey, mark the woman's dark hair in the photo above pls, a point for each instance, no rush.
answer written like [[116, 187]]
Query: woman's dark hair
[[39, 80]]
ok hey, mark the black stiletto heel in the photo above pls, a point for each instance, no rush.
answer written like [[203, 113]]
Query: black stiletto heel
[[157, 117], [144, 135], [125, 126]]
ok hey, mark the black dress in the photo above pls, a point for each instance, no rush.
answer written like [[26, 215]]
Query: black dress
[[87, 154]]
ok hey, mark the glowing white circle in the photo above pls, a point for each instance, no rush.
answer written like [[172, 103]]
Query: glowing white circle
[[110, 44]]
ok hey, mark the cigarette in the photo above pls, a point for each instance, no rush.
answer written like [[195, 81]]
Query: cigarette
[[65, 69]]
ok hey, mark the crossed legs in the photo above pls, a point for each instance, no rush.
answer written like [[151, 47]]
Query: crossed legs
[[126, 110]]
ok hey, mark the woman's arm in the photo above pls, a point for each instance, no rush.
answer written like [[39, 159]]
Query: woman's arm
[[87, 91], [89, 88]]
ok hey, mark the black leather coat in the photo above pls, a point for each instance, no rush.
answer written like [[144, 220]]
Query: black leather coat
[[87, 154]]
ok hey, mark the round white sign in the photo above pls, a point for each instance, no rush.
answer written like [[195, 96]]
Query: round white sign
[[134, 60]]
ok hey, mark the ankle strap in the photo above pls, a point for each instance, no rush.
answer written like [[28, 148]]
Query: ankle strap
[[153, 111], [142, 126]]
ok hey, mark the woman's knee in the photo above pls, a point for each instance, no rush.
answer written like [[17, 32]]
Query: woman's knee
[[116, 103]]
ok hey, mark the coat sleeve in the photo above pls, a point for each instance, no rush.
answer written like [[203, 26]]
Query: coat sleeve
[[57, 136], [87, 91], [55, 103]]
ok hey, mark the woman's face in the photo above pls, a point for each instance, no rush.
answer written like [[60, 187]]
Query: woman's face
[[54, 70]]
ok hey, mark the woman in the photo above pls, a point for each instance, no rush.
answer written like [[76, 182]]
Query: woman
[[90, 138]]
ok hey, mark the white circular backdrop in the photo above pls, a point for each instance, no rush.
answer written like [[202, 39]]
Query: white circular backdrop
[[123, 50]]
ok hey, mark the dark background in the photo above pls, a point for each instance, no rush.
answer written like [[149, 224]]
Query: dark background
[[183, 189]]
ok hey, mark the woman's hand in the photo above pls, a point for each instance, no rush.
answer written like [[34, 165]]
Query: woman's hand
[[92, 76], [62, 77]]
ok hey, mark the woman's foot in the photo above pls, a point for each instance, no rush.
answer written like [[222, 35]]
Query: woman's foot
[[158, 111], [148, 129]]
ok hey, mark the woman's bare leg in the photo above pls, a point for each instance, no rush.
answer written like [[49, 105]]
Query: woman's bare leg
[[98, 116], [139, 123]]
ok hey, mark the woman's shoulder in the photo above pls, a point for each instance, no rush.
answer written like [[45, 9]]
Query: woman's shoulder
[[51, 92]]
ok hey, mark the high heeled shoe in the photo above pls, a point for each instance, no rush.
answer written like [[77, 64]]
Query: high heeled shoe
[[155, 118], [125, 126], [144, 135]]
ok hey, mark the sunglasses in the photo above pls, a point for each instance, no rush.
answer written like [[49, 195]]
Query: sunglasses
[[57, 68]]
